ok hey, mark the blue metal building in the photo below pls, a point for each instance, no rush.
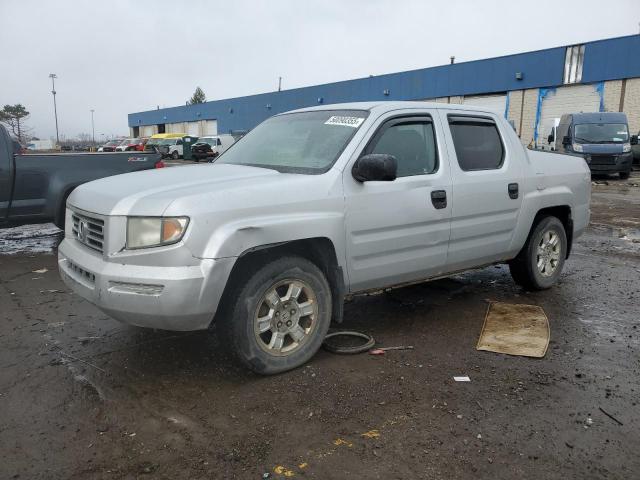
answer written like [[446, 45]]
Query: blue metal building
[[600, 63]]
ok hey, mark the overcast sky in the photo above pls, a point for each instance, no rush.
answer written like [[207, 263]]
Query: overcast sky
[[118, 56]]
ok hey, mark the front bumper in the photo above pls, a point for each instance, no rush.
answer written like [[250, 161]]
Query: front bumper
[[170, 298], [610, 163]]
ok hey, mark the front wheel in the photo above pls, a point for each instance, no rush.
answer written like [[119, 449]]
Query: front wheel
[[175, 155], [280, 315], [624, 175], [539, 265]]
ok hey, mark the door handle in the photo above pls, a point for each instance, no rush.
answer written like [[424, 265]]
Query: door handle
[[439, 199], [513, 190]]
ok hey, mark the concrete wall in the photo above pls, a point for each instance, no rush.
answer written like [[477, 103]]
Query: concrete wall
[[612, 91], [624, 96], [631, 105]]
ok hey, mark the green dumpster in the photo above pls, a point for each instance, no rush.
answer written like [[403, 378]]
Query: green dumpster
[[187, 143]]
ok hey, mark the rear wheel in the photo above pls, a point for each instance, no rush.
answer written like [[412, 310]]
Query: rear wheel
[[624, 175], [279, 316], [539, 265]]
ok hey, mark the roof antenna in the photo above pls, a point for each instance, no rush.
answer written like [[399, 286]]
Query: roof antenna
[[453, 59], [279, 84]]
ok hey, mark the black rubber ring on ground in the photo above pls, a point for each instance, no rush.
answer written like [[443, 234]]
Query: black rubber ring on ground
[[370, 342]]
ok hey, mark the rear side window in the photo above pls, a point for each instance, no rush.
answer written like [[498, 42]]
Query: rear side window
[[477, 143], [413, 144]]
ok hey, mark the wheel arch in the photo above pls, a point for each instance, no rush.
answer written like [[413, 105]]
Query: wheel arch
[[562, 213], [318, 250]]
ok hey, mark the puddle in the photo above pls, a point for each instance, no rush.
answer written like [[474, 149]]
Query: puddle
[[630, 234], [41, 238]]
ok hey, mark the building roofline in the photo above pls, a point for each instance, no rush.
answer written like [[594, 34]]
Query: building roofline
[[414, 70]]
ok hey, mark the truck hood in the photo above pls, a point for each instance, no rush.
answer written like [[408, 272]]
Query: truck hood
[[150, 192], [602, 148]]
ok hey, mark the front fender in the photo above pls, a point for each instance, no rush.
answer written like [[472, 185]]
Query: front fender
[[234, 238]]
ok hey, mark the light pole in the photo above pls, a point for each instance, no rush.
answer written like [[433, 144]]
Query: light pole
[[93, 129], [53, 77]]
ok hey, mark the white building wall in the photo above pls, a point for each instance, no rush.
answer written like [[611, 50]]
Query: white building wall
[[209, 127], [178, 127], [495, 103], [192, 128], [562, 100], [631, 105]]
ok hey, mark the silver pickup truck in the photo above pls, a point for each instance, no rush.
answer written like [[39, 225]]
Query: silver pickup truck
[[313, 206]]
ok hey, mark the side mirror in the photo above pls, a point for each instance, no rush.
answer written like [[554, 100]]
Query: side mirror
[[566, 140], [634, 139], [550, 139], [375, 167]]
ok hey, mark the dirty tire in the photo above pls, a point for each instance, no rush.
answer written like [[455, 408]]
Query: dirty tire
[[524, 268], [240, 318], [624, 175], [175, 155]]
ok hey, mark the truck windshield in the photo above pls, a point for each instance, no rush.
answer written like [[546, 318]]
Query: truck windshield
[[601, 133], [305, 142]]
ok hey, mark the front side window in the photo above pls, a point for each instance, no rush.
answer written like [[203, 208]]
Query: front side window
[[477, 143], [601, 133], [304, 142], [412, 143]]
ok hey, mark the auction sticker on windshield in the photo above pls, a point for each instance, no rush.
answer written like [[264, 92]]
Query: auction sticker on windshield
[[354, 122]]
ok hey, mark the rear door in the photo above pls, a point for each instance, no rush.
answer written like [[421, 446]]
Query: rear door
[[487, 188], [398, 231]]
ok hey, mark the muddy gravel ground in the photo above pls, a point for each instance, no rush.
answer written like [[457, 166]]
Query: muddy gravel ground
[[82, 396]]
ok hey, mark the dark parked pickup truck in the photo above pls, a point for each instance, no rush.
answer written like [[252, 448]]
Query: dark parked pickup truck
[[34, 188]]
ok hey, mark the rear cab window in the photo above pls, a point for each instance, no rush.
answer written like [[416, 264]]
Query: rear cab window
[[477, 142]]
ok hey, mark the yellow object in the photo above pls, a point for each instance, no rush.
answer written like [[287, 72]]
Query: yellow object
[[280, 470], [371, 434], [515, 330], [338, 441], [303, 465], [167, 135]]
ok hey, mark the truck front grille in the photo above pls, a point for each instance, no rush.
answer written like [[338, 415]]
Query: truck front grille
[[88, 231]]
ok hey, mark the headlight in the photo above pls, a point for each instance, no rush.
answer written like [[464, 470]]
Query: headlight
[[577, 147], [626, 148], [145, 232]]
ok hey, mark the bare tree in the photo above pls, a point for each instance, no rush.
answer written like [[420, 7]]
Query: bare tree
[[15, 116]]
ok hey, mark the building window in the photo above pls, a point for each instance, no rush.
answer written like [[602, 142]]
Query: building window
[[573, 61]]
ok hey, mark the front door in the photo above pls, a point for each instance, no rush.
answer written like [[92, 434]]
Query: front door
[[398, 231], [487, 173]]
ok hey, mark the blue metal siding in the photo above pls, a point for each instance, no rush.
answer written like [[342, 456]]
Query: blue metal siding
[[611, 59], [604, 60]]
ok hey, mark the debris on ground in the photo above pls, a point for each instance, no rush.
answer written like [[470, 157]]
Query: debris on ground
[[382, 350], [348, 348], [462, 379], [611, 416]]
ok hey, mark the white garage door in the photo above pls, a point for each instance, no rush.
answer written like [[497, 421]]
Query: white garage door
[[175, 128], [496, 103], [192, 128], [210, 127], [573, 99], [147, 130]]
